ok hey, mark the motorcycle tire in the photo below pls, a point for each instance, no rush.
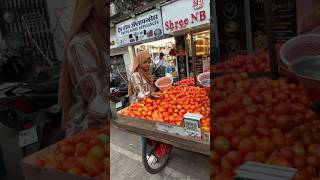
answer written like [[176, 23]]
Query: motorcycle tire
[[150, 167]]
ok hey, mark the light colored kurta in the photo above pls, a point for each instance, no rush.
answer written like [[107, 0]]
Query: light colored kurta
[[88, 66], [141, 88]]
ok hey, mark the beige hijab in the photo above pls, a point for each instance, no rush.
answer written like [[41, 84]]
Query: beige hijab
[[89, 16], [141, 58]]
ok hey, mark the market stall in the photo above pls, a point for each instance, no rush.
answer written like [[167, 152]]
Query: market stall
[[180, 115], [168, 119]]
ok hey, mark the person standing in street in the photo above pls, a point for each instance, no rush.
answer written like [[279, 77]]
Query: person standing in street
[[84, 81], [158, 67]]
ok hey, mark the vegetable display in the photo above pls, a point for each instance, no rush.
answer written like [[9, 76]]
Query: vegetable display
[[85, 154], [263, 120], [257, 62], [172, 105]]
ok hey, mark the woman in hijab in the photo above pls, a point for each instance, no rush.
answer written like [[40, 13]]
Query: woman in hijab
[[84, 73], [141, 86], [141, 83]]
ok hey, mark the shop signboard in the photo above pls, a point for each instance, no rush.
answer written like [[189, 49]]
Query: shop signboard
[[143, 27], [284, 21], [182, 14], [231, 26]]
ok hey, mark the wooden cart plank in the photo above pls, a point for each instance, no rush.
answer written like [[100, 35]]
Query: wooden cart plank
[[147, 128]]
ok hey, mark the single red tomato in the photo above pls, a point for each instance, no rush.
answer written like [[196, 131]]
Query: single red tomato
[[235, 141], [287, 153], [260, 156], [215, 157], [313, 161], [251, 156], [246, 145], [314, 149], [312, 171], [68, 149], [221, 145], [228, 130], [266, 145], [225, 164], [280, 162], [245, 130], [234, 157], [92, 166], [301, 175], [299, 162]]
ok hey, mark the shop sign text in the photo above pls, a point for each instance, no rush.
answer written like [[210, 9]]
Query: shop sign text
[[180, 24], [184, 14], [142, 27]]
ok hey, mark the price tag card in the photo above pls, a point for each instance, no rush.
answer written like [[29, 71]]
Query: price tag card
[[119, 105], [171, 129], [192, 124], [164, 127], [28, 136]]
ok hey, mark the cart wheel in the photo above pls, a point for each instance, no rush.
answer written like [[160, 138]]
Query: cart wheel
[[151, 163]]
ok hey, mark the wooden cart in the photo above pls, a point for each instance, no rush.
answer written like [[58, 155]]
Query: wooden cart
[[165, 133]]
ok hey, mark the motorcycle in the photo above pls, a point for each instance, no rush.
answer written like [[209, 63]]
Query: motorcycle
[[27, 99], [30, 108], [119, 92]]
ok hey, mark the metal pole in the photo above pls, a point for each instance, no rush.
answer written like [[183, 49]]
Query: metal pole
[[271, 41], [214, 45], [193, 50]]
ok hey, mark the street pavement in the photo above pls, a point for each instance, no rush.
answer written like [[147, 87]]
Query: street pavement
[[126, 163]]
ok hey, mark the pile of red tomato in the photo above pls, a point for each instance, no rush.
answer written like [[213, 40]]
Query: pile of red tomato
[[172, 105], [188, 81], [85, 154], [263, 120], [257, 62]]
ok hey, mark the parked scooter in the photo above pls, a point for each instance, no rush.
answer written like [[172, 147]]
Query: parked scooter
[[31, 109]]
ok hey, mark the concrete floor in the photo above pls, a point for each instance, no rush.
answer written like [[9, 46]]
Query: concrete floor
[[11, 153], [126, 163]]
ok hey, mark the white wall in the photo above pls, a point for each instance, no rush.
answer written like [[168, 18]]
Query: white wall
[[125, 51]]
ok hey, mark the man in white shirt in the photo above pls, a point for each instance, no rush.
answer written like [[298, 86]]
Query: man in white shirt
[[158, 67]]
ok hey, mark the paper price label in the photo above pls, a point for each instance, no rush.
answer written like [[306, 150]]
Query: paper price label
[[119, 105], [28, 136]]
